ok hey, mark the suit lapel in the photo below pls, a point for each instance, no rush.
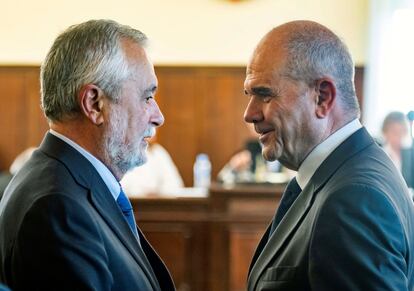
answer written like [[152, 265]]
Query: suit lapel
[[101, 198], [299, 209], [160, 270], [110, 212], [260, 247], [288, 224]]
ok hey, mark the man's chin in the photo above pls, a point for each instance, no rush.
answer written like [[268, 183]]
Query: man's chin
[[134, 162], [141, 159], [269, 154]]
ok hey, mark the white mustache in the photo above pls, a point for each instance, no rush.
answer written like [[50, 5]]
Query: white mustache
[[150, 132]]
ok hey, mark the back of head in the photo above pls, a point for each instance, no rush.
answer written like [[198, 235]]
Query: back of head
[[312, 52], [87, 53]]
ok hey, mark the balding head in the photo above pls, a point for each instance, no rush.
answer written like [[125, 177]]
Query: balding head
[[311, 51], [300, 80]]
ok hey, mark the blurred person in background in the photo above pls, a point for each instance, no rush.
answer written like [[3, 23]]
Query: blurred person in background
[[395, 143], [158, 176], [248, 165], [19, 161]]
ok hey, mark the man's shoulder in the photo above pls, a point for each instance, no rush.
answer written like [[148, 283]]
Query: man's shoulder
[[43, 170], [368, 170], [41, 176]]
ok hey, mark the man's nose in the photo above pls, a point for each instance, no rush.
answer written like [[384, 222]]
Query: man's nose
[[157, 118], [253, 112]]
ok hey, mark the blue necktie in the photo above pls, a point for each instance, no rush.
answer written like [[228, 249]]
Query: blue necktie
[[292, 191], [127, 211]]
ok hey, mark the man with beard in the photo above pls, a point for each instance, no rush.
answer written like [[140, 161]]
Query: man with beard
[[346, 221], [65, 222]]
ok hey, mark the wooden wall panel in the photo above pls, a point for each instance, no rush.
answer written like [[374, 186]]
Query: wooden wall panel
[[203, 108], [178, 230], [223, 127], [21, 121], [12, 90], [176, 253], [36, 124], [242, 245], [178, 135]]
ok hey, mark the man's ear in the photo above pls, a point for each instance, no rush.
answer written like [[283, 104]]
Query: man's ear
[[325, 96], [91, 102]]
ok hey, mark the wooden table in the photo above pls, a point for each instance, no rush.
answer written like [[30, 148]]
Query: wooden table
[[207, 242]]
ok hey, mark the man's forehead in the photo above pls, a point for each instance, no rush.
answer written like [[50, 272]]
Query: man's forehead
[[255, 80], [260, 74]]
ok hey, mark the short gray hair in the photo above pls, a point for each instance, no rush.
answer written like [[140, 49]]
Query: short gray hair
[[86, 53], [314, 52]]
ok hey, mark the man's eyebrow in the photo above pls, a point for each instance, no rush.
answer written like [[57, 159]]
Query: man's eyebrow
[[262, 91], [151, 90]]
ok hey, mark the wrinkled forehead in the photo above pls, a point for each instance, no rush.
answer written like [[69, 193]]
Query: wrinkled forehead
[[267, 63]]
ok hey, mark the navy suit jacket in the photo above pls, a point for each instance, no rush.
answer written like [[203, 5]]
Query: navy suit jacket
[[351, 228], [61, 229]]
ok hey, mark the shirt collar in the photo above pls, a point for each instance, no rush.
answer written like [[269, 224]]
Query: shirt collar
[[106, 175], [323, 150]]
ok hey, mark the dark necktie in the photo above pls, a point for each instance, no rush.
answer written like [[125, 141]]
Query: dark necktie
[[289, 196], [127, 211]]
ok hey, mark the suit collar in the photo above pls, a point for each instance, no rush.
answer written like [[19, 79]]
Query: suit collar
[[323, 150], [102, 200], [296, 214], [103, 171], [350, 147]]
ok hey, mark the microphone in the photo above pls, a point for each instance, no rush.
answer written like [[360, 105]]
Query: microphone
[[410, 116]]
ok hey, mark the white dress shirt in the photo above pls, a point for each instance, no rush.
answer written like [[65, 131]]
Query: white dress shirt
[[323, 150]]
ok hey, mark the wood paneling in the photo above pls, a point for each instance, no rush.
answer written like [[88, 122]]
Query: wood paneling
[[208, 243], [239, 216], [178, 230], [21, 122], [243, 241], [203, 108]]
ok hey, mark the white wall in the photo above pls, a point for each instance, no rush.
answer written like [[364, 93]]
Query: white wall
[[210, 32]]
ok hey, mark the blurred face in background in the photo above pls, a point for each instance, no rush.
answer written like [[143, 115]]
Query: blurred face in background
[[394, 134]]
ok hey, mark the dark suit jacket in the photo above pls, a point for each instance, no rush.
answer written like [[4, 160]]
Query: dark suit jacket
[[61, 229], [351, 228], [407, 161]]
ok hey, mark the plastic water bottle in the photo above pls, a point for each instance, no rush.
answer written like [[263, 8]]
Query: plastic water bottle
[[202, 171]]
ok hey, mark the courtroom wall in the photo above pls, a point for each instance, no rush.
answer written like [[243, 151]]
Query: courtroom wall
[[203, 109]]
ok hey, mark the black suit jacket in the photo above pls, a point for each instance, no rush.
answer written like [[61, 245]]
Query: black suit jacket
[[61, 229], [351, 228]]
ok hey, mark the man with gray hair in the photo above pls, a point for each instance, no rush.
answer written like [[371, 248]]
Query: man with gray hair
[[346, 221], [65, 222]]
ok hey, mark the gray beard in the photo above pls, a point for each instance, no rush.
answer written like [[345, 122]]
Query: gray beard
[[120, 155]]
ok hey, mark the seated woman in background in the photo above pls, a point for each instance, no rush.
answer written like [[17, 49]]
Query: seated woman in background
[[158, 176]]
